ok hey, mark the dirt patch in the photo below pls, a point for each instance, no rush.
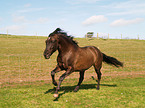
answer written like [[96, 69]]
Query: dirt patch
[[47, 78], [125, 74]]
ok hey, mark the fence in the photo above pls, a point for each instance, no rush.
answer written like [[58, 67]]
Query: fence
[[112, 36], [22, 60]]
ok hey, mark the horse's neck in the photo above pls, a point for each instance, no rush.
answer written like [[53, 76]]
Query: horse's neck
[[65, 45]]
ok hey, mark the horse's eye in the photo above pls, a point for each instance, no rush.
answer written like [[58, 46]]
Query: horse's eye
[[53, 41], [51, 47]]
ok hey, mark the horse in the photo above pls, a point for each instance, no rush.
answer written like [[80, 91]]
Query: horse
[[73, 58]]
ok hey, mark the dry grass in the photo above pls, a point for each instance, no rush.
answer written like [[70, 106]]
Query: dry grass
[[22, 58], [25, 76]]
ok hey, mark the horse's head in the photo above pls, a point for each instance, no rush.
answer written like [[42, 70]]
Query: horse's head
[[56, 40], [51, 45]]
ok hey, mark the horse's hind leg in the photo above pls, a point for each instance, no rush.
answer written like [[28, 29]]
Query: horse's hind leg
[[80, 80], [97, 69]]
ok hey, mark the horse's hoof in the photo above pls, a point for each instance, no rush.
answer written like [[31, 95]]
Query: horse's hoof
[[76, 89], [55, 95], [55, 83]]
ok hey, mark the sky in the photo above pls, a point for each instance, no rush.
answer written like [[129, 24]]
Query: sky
[[76, 17]]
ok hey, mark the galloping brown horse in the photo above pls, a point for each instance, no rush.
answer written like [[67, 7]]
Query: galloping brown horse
[[73, 58]]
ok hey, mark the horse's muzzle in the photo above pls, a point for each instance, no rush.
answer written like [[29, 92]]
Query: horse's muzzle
[[46, 56]]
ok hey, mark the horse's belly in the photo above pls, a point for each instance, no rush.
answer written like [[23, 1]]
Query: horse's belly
[[82, 67], [84, 63]]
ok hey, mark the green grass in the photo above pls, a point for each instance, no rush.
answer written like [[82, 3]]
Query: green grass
[[25, 75], [114, 93]]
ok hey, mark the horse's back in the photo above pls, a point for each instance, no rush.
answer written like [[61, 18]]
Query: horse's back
[[97, 54]]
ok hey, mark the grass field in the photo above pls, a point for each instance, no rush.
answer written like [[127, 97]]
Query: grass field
[[114, 93], [25, 75]]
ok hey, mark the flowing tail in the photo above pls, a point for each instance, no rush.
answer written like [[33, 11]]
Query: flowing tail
[[112, 60]]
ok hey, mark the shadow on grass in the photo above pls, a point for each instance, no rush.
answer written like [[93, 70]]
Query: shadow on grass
[[67, 89]]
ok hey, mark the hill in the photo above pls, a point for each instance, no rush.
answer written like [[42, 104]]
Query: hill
[[25, 75]]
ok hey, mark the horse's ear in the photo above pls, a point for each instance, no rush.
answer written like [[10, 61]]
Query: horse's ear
[[57, 30]]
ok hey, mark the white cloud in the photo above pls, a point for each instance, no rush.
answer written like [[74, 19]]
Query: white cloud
[[42, 20], [94, 19], [128, 4], [23, 20], [14, 29], [122, 22], [30, 10], [131, 7], [73, 2], [27, 5], [0, 19], [88, 1], [19, 19], [129, 12]]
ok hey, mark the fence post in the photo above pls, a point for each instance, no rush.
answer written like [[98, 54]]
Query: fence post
[[86, 36], [138, 36], [108, 35], [7, 33], [97, 35], [121, 36]]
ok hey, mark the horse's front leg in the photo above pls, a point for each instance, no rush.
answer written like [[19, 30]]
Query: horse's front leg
[[62, 77], [57, 69]]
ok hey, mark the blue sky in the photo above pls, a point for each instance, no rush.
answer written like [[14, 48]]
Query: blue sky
[[77, 17]]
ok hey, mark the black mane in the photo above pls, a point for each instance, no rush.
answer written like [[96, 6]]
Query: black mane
[[58, 30]]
